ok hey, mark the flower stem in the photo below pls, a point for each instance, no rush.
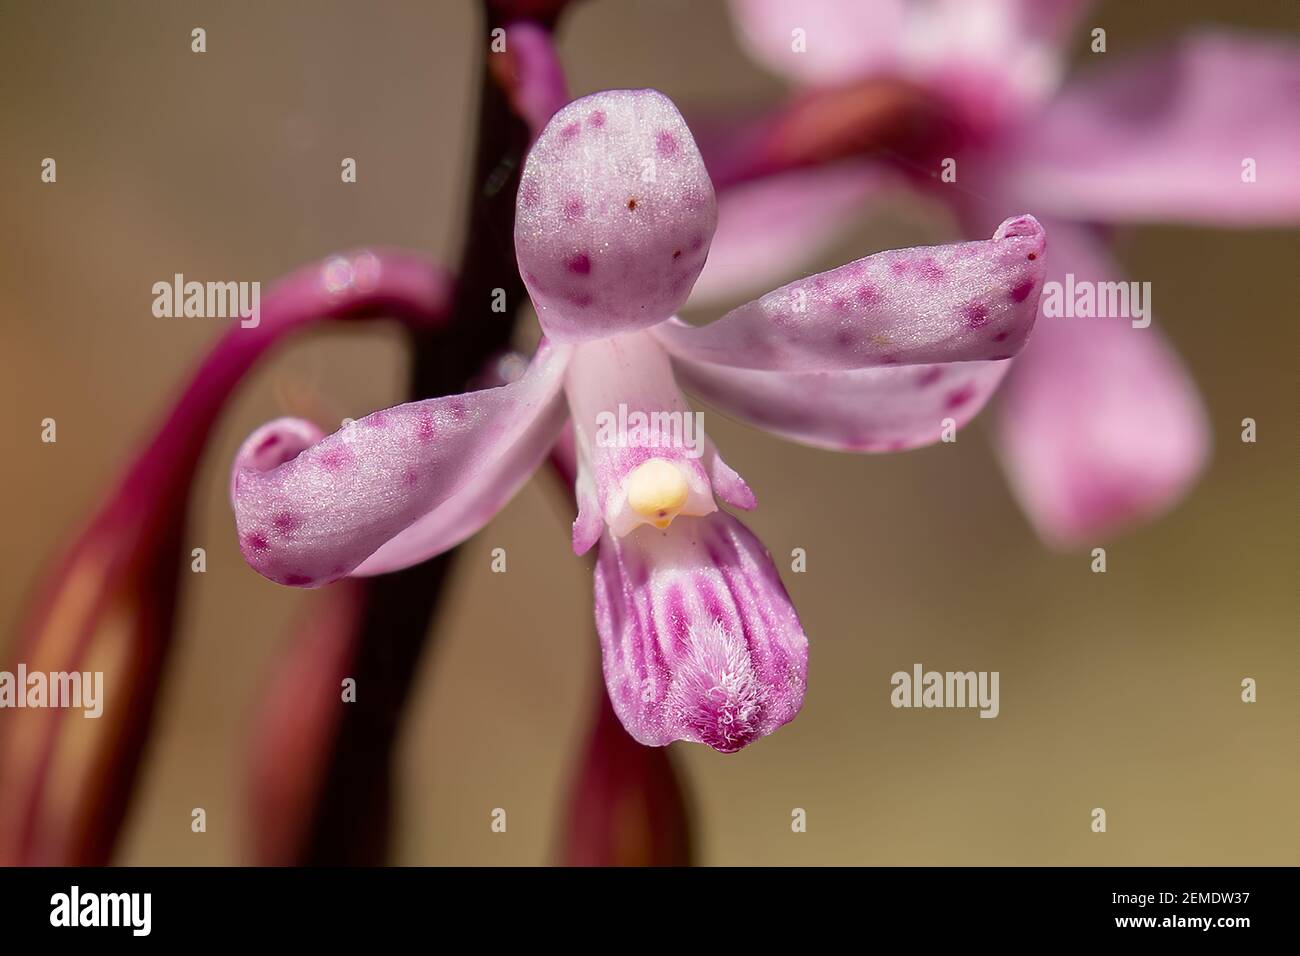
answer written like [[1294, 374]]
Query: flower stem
[[351, 821]]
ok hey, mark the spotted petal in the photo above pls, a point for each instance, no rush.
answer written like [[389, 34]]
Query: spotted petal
[[699, 640], [614, 217], [398, 486], [864, 410], [955, 303]]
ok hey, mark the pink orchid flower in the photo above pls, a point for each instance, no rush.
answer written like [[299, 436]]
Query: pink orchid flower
[[615, 214], [1100, 424]]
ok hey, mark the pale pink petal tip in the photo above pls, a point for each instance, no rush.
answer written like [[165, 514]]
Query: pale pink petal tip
[[699, 639], [272, 445], [614, 217]]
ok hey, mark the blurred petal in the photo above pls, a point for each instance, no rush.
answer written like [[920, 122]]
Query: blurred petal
[[844, 39], [381, 480], [699, 639], [1099, 424], [991, 53], [625, 805], [107, 604], [867, 410], [614, 217], [1164, 136], [771, 228], [953, 303]]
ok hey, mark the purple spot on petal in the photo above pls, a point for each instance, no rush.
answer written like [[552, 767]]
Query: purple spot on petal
[[267, 443], [296, 580], [960, 397], [256, 542], [1001, 336], [975, 315], [333, 459], [898, 267], [286, 522], [929, 376], [574, 207], [930, 269], [596, 118], [868, 294], [579, 264], [581, 299], [571, 131], [424, 426], [1020, 292], [531, 194], [666, 144]]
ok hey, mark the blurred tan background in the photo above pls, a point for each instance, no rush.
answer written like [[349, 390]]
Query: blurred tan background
[[1118, 690]]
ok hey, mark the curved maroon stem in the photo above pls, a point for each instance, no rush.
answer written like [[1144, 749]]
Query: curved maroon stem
[[108, 603], [520, 90]]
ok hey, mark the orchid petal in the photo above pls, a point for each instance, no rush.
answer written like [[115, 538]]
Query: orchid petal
[[1169, 137], [999, 47], [863, 410], [843, 40], [376, 486], [1100, 425], [614, 217], [956, 303], [699, 639], [272, 445], [769, 228]]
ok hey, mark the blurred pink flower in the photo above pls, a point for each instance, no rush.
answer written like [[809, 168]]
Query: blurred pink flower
[[1100, 425], [615, 215]]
